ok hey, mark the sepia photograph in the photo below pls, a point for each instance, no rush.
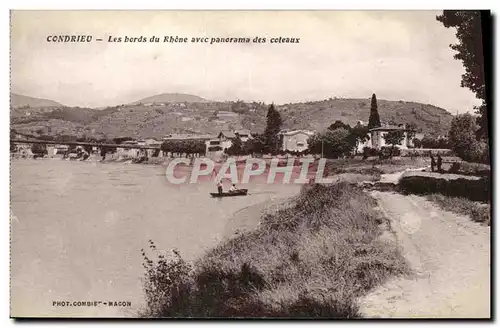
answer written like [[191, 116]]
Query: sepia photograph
[[211, 164]]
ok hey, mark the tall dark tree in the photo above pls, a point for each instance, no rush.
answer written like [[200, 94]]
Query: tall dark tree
[[470, 51], [236, 147], [273, 128], [374, 120]]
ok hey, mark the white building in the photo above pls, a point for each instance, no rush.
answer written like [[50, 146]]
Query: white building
[[377, 136], [225, 139], [295, 140]]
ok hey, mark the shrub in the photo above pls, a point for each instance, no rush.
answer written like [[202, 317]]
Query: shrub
[[39, 149], [476, 190], [431, 143], [389, 151], [167, 284], [369, 152], [477, 212], [426, 152], [463, 140]]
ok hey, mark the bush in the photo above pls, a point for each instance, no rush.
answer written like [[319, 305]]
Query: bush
[[369, 152], [463, 140], [477, 212], [431, 143], [475, 190], [389, 151], [39, 149], [426, 152], [167, 284]]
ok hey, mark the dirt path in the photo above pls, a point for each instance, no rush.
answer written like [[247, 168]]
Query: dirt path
[[450, 257]]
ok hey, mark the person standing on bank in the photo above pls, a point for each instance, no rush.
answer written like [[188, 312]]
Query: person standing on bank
[[439, 163], [433, 163]]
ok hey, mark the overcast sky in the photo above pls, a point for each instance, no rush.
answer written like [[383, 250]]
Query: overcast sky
[[399, 55]]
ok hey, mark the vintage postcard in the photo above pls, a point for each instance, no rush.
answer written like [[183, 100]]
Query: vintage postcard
[[250, 164]]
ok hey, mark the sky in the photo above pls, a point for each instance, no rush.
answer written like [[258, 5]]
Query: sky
[[398, 55]]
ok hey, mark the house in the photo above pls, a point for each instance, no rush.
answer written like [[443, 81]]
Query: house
[[60, 149], [295, 140], [226, 139], [377, 135], [244, 134]]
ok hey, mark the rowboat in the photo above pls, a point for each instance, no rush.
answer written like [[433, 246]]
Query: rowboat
[[239, 192]]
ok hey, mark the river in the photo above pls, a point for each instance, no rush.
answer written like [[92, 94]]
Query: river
[[77, 229]]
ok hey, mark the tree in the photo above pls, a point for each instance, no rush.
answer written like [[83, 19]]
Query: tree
[[236, 147], [470, 51], [462, 139], [272, 130], [333, 143], [255, 145], [411, 130], [394, 138], [359, 134], [39, 149], [417, 143], [374, 120], [339, 125]]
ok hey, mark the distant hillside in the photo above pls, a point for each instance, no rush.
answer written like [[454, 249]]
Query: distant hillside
[[172, 98], [17, 100], [147, 120]]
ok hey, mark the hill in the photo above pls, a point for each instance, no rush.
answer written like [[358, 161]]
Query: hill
[[172, 98], [156, 120], [17, 100]]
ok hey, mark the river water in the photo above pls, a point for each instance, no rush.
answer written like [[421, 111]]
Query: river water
[[77, 229]]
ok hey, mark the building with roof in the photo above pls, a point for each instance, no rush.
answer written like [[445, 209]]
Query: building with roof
[[294, 140], [377, 136]]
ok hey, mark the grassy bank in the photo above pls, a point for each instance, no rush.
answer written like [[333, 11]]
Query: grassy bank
[[312, 258], [476, 211], [374, 166], [451, 185]]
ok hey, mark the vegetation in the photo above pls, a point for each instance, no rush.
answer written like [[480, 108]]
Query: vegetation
[[184, 147], [388, 152], [472, 189], [425, 152], [469, 48], [360, 134], [374, 120], [273, 128], [394, 138], [476, 211], [462, 137], [236, 147], [435, 143], [312, 258], [332, 143], [158, 120], [417, 143], [39, 149]]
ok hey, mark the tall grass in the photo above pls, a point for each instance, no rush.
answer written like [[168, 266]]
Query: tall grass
[[313, 258], [476, 211]]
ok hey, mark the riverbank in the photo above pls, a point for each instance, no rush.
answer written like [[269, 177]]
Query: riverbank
[[312, 257]]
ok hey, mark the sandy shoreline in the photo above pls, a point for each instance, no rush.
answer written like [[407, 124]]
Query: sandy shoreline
[[248, 218]]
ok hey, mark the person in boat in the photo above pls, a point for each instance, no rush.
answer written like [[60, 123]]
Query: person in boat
[[219, 187], [233, 188]]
